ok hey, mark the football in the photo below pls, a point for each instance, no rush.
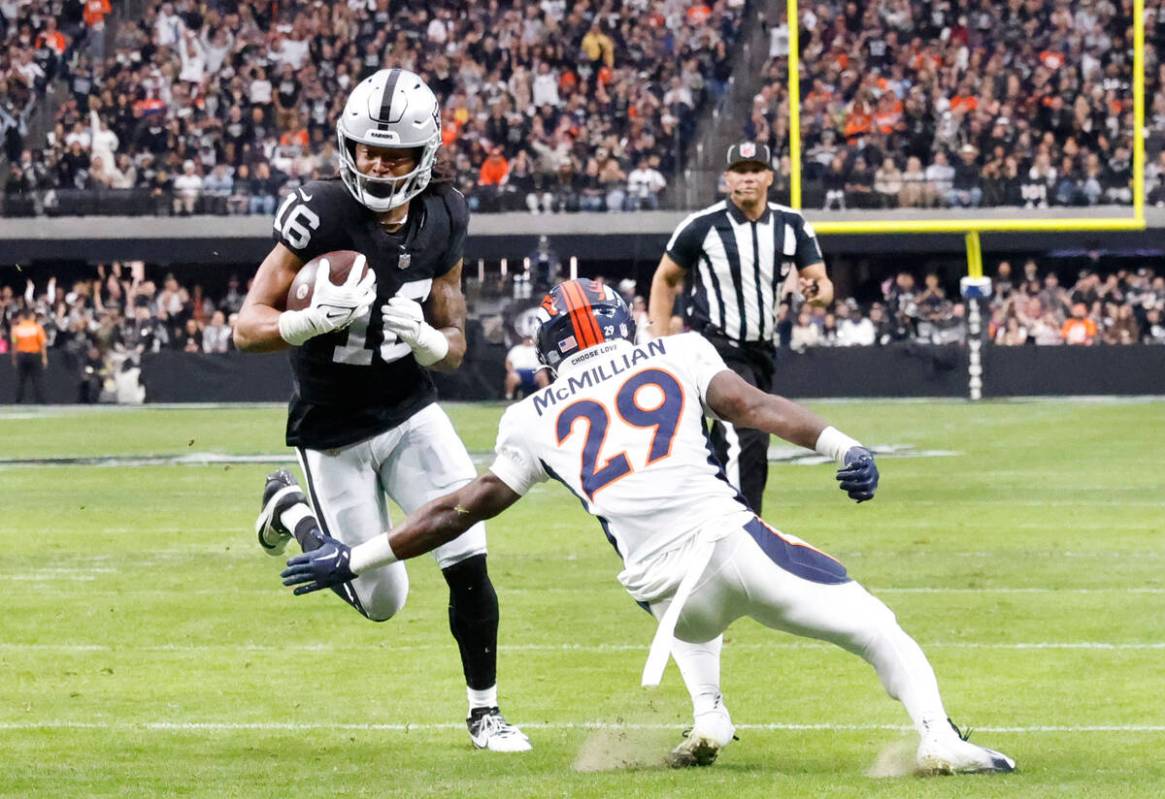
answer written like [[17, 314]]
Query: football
[[339, 264]]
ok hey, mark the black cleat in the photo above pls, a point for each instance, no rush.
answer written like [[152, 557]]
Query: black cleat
[[280, 492]]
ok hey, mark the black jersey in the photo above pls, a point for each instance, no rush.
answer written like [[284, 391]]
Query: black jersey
[[357, 382]]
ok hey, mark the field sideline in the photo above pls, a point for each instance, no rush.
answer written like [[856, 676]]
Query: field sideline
[[148, 650]]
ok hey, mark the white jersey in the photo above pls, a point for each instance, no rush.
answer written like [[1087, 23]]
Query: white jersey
[[623, 428]]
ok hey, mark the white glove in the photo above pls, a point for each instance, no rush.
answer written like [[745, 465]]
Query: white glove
[[332, 307], [406, 320]]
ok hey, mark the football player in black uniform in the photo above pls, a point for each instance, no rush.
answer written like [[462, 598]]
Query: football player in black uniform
[[363, 416]]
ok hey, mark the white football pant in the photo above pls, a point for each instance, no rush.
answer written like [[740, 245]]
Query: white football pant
[[757, 572], [414, 463]]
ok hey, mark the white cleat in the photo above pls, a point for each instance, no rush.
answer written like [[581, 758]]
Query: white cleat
[[948, 752], [488, 729], [702, 744]]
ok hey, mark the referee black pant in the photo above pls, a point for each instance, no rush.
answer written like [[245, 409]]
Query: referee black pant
[[743, 451], [28, 370]]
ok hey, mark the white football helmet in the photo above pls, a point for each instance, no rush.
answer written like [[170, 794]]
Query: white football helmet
[[391, 108]]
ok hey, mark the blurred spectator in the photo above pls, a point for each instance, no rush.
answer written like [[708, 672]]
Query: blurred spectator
[[216, 337], [966, 186], [187, 189], [217, 189], [188, 338], [644, 185], [492, 178], [888, 183], [1079, 328], [913, 193], [853, 330], [805, 333], [524, 372], [940, 176], [264, 186]]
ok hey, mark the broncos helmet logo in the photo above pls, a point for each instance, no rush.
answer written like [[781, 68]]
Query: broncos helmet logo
[[577, 315]]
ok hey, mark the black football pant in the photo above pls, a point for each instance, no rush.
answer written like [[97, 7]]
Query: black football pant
[[29, 370], [744, 452]]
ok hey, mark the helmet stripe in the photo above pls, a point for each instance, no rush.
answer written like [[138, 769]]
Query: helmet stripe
[[386, 100], [582, 315], [581, 331], [576, 323], [590, 316]]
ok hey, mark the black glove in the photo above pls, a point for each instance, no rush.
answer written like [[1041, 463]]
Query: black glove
[[859, 476], [321, 568]]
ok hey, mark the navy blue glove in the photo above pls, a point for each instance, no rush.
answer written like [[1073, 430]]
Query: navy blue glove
[[319, 569], [859, 476]]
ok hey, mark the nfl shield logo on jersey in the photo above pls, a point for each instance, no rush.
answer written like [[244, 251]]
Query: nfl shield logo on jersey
[[406, 258]]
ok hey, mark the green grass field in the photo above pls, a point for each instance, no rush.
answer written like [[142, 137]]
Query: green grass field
[[147, 649]]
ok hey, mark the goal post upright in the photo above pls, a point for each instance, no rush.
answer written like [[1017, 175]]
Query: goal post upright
[[793, 23]]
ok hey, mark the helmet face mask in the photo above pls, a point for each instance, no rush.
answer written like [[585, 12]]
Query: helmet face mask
[[578, 315], [394, 109]]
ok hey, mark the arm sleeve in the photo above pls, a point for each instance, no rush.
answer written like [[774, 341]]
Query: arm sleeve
[[686, 244], [458, 227], [805, 250], [515, 465]]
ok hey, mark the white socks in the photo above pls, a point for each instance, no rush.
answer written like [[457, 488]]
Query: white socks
[[487, 697], [700, 666], [291, 517]]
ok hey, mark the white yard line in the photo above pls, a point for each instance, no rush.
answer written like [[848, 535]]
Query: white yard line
[[1104, 646], [294, 726]]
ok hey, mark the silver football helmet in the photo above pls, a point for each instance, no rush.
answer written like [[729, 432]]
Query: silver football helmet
[[391, 108]]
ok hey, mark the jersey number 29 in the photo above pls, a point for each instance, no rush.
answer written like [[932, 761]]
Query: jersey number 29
[[664, 417]]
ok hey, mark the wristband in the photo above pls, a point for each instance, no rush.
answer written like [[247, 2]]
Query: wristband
[[834, 444], [431, 346], [296, 327], [372, 554]]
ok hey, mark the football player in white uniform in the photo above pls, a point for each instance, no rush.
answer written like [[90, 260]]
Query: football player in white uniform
[[623, 427]]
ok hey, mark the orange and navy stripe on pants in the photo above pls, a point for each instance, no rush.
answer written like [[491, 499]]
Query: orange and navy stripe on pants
[[797, 558]]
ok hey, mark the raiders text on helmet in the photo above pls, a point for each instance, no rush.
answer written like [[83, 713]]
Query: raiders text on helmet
[[391, 108]]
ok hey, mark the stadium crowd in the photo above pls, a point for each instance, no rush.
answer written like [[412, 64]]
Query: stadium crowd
[[220, 106], [1124, 307], [103, 325], [908, 103]]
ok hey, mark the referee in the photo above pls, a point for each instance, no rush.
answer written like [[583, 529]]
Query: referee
[[736, 255]]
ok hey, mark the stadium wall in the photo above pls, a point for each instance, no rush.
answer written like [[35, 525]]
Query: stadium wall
[[906, 370], [635, 237]]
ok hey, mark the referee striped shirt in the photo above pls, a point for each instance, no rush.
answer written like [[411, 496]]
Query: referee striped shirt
[[736, 266]]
